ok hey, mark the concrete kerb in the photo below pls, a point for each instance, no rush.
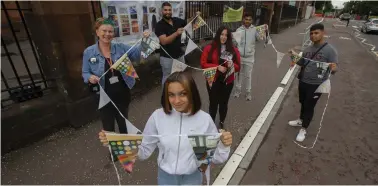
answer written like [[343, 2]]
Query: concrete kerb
[[249, 157]]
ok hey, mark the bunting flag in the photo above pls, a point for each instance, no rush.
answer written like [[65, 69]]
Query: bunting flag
[[209, 74], [131, 129], [232, 15], [295, 57], [104, 98], [125, 148], [325, 87], [269, 40], [148, 45], [280, 55], [198, 23], [125, 66], [237, 36], [178, 66], [261, 31], [191, 46], [204, 147], [189, 29]]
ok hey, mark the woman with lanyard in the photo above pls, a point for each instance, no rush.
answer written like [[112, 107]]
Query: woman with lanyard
[[226, 58], [97, 59], [167, 128]]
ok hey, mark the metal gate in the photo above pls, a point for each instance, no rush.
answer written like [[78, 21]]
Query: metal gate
[[21, 73]]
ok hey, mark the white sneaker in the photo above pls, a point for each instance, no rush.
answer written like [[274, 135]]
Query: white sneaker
[[301, 135], [248, 96], [237, 93], [296, 123]]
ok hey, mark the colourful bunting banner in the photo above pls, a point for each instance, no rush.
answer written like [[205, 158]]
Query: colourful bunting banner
[[125, 148], [209, 74]]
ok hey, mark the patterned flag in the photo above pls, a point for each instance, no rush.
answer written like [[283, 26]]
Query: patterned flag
[[295, 58], [127, 70], [125, 148], [209, 74], [261, 31], [148, 45], [204, 147], [198, 23]]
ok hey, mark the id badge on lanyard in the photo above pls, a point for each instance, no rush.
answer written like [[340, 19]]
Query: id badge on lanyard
[[113, 79]]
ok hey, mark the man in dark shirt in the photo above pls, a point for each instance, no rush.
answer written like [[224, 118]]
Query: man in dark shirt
[[169, 30]]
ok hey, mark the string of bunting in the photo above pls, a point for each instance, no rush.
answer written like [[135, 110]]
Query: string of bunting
[[148, 45]]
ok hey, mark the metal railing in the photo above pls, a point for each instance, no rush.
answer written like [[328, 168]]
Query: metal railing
[[21, 73]]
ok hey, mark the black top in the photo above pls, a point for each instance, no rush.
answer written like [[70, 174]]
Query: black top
[[118, 92], [163, 27]]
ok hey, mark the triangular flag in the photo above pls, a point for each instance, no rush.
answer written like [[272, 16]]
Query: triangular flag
[[269, 40], [131, 129], [261, 31], [209, 74], [148, 45], [198, 22], [130, 81], [295, 57], [191, 46], [189, 29], [178, 66], [204, 147], [104, 98], [125, 66], [237, 36], [125, 148], [325, 87], [280, 55]]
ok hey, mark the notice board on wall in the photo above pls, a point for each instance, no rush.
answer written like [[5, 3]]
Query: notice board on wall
[[131, 18]]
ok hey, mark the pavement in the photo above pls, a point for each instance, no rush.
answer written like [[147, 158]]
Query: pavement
[[346, 151], [75, 156]]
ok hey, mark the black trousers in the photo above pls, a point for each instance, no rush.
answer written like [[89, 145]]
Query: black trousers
[[109, 114], [219, 94], [308, 99]]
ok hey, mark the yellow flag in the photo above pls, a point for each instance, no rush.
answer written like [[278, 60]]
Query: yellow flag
[[232, 15]]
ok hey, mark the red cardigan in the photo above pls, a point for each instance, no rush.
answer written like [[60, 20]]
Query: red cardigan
[[215, 62]]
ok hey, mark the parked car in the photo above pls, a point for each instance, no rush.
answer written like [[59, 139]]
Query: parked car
[[371, 25], [345, 16]]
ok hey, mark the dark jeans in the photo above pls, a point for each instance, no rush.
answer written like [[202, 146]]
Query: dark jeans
[[219, 94], [308, 99]]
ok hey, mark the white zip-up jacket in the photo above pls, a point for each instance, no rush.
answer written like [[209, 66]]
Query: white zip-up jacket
[[176, 155], [248, 40]]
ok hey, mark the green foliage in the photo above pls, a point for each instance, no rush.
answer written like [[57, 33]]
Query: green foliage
[[361, 7], [328, 7]]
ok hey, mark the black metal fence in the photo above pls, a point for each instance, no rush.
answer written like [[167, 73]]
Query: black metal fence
[[21, 73]]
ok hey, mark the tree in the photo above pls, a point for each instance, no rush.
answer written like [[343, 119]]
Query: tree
[[361, 7], [328, 7]]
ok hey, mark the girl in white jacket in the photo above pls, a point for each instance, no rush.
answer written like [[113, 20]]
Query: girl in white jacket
[[180, 115]]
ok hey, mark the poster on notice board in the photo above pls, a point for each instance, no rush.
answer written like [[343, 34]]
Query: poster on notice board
[[131, 18]]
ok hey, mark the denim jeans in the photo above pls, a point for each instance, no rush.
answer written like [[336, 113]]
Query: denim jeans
[[171, 179], [166, 66]]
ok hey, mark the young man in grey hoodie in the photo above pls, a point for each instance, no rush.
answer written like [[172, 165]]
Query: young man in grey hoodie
[[246, 46]]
